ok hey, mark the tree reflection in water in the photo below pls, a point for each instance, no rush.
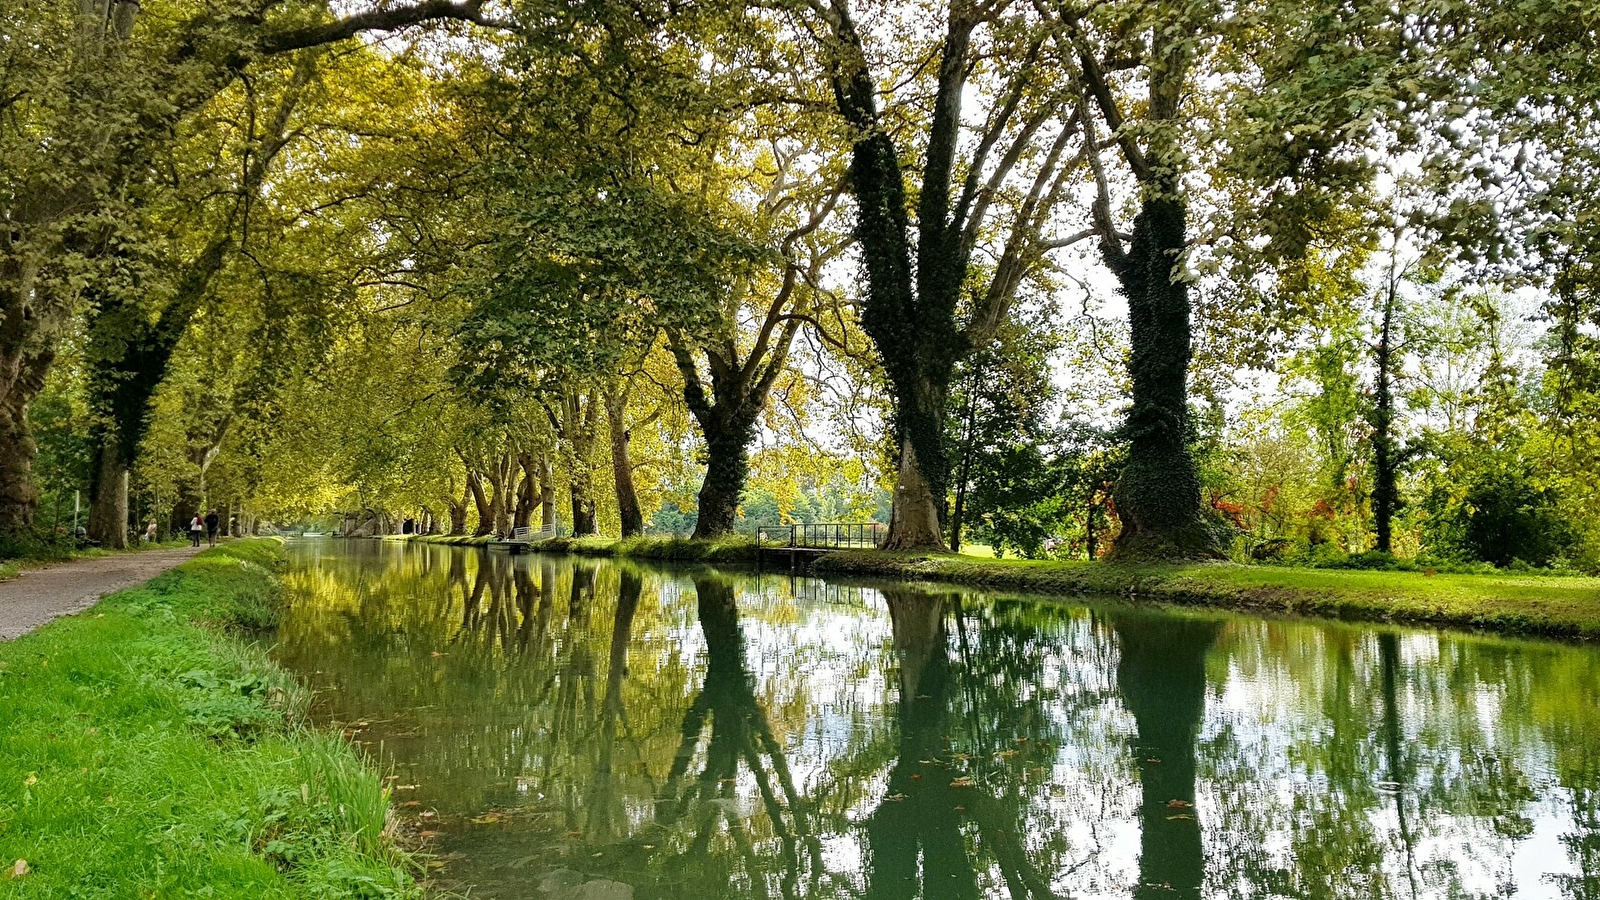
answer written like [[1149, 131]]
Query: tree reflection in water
[[724, 727], [723, 737], [1161, 674]]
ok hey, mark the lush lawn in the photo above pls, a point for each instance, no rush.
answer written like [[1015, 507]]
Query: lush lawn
[[145, 752], [1512, 603]]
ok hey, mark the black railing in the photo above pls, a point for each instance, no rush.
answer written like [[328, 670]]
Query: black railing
[[831, 536]]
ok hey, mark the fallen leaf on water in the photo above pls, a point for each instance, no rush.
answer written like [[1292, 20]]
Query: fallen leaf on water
[[1180, 816], [961, 782], [916, 776], [19, 870], [428, 814], [411, 804], [427, 835], [895, 797], [405, 787], [1179, 804]]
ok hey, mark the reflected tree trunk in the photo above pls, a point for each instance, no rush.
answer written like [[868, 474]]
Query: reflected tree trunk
[[739, 732], [914, 841], [1398, 771], [1161, 675], [602, 826]]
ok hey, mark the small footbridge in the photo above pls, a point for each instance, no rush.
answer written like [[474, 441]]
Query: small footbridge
[[794, 547]]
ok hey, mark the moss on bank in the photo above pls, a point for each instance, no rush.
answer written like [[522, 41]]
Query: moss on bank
[[733, 549], [145, 751], [1510, 603]]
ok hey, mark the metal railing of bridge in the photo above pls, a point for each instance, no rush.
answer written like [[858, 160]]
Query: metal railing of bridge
[[823, 536]]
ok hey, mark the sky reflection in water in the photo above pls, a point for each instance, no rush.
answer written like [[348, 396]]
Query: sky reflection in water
[[574, 726]]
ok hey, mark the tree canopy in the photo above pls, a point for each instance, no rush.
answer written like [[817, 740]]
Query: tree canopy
[[1306, 281]]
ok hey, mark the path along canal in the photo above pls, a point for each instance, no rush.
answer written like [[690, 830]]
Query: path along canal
[[568, 727]]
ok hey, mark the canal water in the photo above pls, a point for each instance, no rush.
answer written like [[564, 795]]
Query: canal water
[[573, 728]]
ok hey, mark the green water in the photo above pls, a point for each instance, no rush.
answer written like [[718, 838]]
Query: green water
[[571, 728]]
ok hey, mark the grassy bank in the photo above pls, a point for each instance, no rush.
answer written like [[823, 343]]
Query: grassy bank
[[147, 751], [1510, 603], [734, 549]]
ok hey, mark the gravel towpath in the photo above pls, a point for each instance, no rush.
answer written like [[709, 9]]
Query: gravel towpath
[[40, 595]]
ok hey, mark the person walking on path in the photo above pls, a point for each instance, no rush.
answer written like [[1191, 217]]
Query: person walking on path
[[213, 522], [196, 528]]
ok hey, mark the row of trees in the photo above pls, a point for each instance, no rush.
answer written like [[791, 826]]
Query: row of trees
[[597, 254]]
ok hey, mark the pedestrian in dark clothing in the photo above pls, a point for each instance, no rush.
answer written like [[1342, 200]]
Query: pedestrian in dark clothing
[[213, 522]]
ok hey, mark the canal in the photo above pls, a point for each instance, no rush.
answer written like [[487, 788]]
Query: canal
[[557, 727]]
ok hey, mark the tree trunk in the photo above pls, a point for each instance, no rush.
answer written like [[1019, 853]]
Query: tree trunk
[[525, 492], [964, 478], [727, 466], [622, 466], [479, 500], [914, 519], [1158, 495], [547, 494], [1385, 461], [108, 501], [17, 448], [458, 513], [583, 510]]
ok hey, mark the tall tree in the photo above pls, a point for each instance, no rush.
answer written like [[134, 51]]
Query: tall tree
[[994, 185], [88, 107]]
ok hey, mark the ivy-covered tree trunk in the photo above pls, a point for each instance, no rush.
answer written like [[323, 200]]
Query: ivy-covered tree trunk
[[727, 405], [1385, 459], [622, 465], [22, 375], [917, 274], [727, 467], [1158, 496], [108, 500]]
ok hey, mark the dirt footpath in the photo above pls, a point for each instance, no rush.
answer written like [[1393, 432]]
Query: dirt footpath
[[39, 595]]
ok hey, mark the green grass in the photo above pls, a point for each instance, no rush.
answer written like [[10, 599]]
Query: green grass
[[146, 750], [1513, 603], [728, 549], [454, 540]]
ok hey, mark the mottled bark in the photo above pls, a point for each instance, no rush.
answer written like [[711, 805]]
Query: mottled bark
[[576, 422], [632, 518], [480, 500], [526, 491]]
